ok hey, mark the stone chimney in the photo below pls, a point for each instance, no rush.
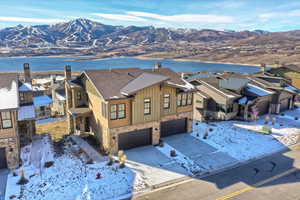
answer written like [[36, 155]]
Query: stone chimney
[[27, 75], [68, 72], [157, 65], [263, 67]]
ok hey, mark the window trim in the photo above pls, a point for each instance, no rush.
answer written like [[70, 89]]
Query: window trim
[[189, 100], [8, 119], [147, 101]]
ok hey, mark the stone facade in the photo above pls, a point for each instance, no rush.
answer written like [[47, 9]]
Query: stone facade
[[11, 146]]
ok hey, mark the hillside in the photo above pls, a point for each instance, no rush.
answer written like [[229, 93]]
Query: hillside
[[85, 37]]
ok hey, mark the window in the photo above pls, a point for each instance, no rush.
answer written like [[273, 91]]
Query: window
[[78, 95], [166, 101], [6, 120], [147, 106], [182, 99], [117, 111], [22, 96], [104, 110], [121, 111], [189, 99], [179, 97], [113, 111]]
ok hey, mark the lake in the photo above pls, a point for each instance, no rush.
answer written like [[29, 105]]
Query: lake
[[58, 63]]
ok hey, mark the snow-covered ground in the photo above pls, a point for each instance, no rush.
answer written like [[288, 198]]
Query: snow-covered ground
[[184, 161], [49, 120], [70, 178], [244, 140]]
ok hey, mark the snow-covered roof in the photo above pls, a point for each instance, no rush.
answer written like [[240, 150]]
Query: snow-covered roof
[[291, 89], [41, 100], [26, 112], [9, 97], [60, 97], [258, 90], [25, 87]]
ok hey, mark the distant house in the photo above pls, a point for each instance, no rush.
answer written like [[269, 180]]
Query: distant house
[[58, 107], [290, 72], [227, 95], [130, 107]]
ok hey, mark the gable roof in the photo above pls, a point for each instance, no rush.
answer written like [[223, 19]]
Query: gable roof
[[111, 83], [9, 95], [142, 81]]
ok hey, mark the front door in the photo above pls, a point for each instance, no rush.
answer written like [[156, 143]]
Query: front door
[[3, 163]]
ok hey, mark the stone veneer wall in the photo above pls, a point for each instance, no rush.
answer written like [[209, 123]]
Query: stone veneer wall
[[12, 151], [155, 125]]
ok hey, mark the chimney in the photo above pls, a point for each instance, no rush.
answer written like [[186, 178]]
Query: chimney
[[263, 67], [27, 76], [68, 72], [157, 65]]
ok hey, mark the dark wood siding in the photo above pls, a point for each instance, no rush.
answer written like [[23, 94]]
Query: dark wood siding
[[3, 163], [284, 104], [134, 139], [173, 127], [263, 107]]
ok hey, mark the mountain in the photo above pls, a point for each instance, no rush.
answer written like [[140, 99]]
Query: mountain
[[86, 37]]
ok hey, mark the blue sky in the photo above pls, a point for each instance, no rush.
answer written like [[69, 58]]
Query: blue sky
[[271, 15]]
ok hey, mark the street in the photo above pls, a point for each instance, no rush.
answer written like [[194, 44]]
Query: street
[[273, 177]]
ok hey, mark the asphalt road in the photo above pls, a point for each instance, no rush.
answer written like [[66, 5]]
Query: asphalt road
[[275, 177]]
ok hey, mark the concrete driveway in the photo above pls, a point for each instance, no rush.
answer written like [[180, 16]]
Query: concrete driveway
[[3, 179], [155, 167], [203, 154]]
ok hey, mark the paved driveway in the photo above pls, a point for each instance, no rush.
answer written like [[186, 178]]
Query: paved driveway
[[155, 167], [203, 154], [3, 179]]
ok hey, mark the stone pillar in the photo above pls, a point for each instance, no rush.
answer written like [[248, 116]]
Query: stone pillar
[[113, 142], [278, 108], [155, 133], [291, 103], [246, 112], [189, 124]]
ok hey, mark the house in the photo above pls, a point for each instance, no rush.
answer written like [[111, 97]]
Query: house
[[58, 107], [289, 72], [9, 135], [129, 107], [34, 95], [228, 95]]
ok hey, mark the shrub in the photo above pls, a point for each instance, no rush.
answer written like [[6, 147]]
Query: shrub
[[90, 161], [122, 161], [205, 134], [12, 196], [48, 164], [22, 180], [296, 118], [111, 160]]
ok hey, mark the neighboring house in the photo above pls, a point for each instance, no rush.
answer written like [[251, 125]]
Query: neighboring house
[[42, 105], [9, 136], [290, 72], [130, 107], [58, 107], [227, 95]]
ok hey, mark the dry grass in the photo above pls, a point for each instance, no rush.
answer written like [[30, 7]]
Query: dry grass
[[56, 129]]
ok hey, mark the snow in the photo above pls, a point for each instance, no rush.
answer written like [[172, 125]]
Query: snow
[[41, 100], [191, 167], [243, 100], [244, 140], [70, 178], [28, 87], [26, 112], [291, 89], [49, 120], [257, 90], [9, 98]]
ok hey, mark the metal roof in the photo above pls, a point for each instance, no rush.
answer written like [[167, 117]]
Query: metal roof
[[26, 113], [41, 100], [142, 81]]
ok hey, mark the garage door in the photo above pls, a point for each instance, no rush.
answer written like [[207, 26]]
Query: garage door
[[284, 104], [173, 127], [263, 107], [3, 163], [134, 139]]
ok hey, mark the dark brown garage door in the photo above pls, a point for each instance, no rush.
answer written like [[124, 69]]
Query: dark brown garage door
[[134, 139], [263, 107], [173, 127], [284, 104], [3, 163]]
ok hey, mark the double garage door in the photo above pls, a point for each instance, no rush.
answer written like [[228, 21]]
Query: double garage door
[[3, 163], [173, 127], [134, 139]]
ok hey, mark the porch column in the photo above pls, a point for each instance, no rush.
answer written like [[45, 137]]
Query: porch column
[[291, 103], [278, 108], [246, 112]]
